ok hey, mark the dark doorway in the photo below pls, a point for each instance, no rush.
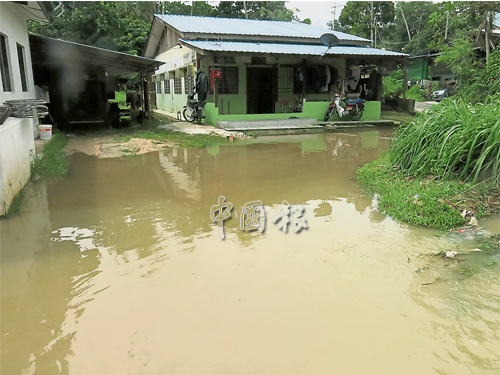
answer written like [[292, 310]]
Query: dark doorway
[[260, 89]]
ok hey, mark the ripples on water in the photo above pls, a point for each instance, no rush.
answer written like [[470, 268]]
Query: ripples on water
[[116, 268]]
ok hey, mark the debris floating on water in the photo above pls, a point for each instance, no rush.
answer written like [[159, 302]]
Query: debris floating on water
[[451, 254], [473, 222]]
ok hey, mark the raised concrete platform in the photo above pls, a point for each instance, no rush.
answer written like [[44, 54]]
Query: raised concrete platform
[[359, 123], [277, 124]]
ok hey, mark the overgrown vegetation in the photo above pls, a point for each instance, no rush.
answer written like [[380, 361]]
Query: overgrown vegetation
[[180, 138], [429, 201], [54, 161], [393, 85], [452, 140], [415, 92], [443, 162], [478, 78]]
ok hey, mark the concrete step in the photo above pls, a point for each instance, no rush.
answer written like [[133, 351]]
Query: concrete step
[[275, 124]]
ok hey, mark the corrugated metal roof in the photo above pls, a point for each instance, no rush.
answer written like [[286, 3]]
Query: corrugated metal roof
[[240, 26], [287, 49], [55, 51]]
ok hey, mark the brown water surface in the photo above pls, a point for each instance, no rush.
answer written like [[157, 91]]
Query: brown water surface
[[117, 268]]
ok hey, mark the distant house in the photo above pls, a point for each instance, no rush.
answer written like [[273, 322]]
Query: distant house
[[17, 148], [267, 68], [424, 70]]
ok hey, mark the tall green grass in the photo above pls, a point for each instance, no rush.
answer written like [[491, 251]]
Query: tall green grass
[[454, 139], [54, 161]]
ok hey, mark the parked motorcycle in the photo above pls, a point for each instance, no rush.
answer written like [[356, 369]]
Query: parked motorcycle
[[342, 107], [193, 110]]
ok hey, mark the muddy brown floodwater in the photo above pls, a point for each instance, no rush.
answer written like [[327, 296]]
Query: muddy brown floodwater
[[116, 268]]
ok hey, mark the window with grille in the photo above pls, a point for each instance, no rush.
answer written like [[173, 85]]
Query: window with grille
[[189, 85], [167, 86], [178, 85], [228, 83], [158, 87]]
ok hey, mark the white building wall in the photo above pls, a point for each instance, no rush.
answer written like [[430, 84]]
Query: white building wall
[[17, 146], [13, 25], [17, 150], [176, 59]]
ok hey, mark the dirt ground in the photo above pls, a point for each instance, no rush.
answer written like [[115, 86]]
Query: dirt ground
[[107, 146]]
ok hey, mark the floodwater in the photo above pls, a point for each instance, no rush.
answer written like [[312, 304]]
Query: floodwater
[[117, 268]]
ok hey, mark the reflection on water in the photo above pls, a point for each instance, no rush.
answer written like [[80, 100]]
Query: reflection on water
[[117, 268]]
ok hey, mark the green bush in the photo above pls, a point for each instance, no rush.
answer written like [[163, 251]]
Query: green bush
[[393, 85], [453, 139], [415, 93]]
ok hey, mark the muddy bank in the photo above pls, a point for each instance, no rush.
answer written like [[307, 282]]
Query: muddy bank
[[113, 145], [108, 146]]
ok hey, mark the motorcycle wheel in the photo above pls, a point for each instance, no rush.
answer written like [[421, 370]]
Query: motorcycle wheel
[[188, 115], [357, 115], [328, 114]]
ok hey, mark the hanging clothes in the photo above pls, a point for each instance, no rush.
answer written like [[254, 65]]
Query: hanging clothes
[[328, 77], [353, 79], [201, 85]]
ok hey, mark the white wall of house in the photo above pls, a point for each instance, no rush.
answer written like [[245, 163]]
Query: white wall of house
[[17, 150], [17, 147], [177, 61], [14, 28]]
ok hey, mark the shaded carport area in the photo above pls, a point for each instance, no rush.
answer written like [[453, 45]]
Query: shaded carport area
[[79, 80]]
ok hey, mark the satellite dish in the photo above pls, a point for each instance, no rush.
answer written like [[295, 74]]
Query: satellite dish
[[328, 40]]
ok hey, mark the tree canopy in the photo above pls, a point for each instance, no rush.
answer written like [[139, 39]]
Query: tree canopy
[[124, 25], [416, 27]]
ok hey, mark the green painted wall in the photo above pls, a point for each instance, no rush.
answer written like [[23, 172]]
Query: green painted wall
[[233, 104], [234, 107], [314, 110], [372, 111]]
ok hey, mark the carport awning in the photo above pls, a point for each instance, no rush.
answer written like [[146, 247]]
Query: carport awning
[[50, 50], [289, 49]]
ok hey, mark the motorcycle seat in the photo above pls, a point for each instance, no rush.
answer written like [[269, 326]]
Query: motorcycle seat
[[354, 101]]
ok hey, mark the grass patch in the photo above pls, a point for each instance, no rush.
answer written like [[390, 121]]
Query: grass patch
[[15, 205], [180, 138], [54, 161], [425, 201]]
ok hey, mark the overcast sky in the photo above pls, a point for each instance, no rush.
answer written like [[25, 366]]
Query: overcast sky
[[320, 12]]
